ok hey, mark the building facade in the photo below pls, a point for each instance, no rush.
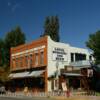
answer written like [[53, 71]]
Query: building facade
[[34, 64]]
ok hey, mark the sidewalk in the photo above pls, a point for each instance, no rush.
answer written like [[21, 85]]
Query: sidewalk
[[77, 98], [73, 96]]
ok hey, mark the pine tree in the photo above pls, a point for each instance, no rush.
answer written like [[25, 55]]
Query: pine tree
[[51, 28]]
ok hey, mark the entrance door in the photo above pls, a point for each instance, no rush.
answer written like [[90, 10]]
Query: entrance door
[[74, 82]]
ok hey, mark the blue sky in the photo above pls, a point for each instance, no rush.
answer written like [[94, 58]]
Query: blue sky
[[78, 18]]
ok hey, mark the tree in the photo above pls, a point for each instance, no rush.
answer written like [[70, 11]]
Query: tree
[[51, 28], [47, 26], [12, 39], [1, 52], [94, 44]]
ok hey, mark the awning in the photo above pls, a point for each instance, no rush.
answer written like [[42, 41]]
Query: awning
[[72, 74], [11, 75], [26, 74], [19, 75], [36, 73]]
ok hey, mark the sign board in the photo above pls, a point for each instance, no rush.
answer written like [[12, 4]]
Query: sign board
[[59, 54]]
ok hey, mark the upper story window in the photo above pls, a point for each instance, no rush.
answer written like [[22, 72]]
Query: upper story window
[[17, 62], [41, 57], [77, 57], [90, 57], [80, 57], [13, 62], [21, 61], [30, 60], [72, 57], [36, 58], [26, 61]]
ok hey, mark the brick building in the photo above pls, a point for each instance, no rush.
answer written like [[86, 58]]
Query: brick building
[[28, 62]]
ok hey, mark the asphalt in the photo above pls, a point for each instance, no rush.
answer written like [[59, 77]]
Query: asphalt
[[53, 98], [25, 98]]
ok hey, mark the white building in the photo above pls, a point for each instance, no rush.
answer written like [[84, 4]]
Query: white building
[[62, 54]]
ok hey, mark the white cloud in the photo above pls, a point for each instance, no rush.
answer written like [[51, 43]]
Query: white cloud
[[14, 7], [9, 3]]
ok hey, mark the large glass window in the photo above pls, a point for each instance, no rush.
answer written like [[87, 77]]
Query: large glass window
[[80, 57]]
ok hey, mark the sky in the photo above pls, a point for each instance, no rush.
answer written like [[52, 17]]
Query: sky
[[78, 18]]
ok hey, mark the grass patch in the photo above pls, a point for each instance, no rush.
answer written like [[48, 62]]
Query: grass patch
[[97, 93]]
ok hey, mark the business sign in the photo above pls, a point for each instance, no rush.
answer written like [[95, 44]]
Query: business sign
[[59, 54]]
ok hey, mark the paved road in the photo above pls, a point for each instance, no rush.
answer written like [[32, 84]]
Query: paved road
[[24, 98], [57, 98]]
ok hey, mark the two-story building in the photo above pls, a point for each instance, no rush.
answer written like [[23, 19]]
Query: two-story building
[[33, 64]]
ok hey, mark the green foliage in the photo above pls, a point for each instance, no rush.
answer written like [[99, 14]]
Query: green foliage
[[13, 38], [1, 43], [51, 28], [1, 52], [97, 93], [94, 44], [4, 74]]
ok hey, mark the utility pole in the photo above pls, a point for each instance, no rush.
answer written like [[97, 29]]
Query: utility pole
[[57, 75]]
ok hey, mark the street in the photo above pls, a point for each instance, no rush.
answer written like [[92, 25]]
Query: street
[[24, 98], [56, 98]]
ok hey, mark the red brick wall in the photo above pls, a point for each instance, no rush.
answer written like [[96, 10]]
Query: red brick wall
[[37, 43]]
